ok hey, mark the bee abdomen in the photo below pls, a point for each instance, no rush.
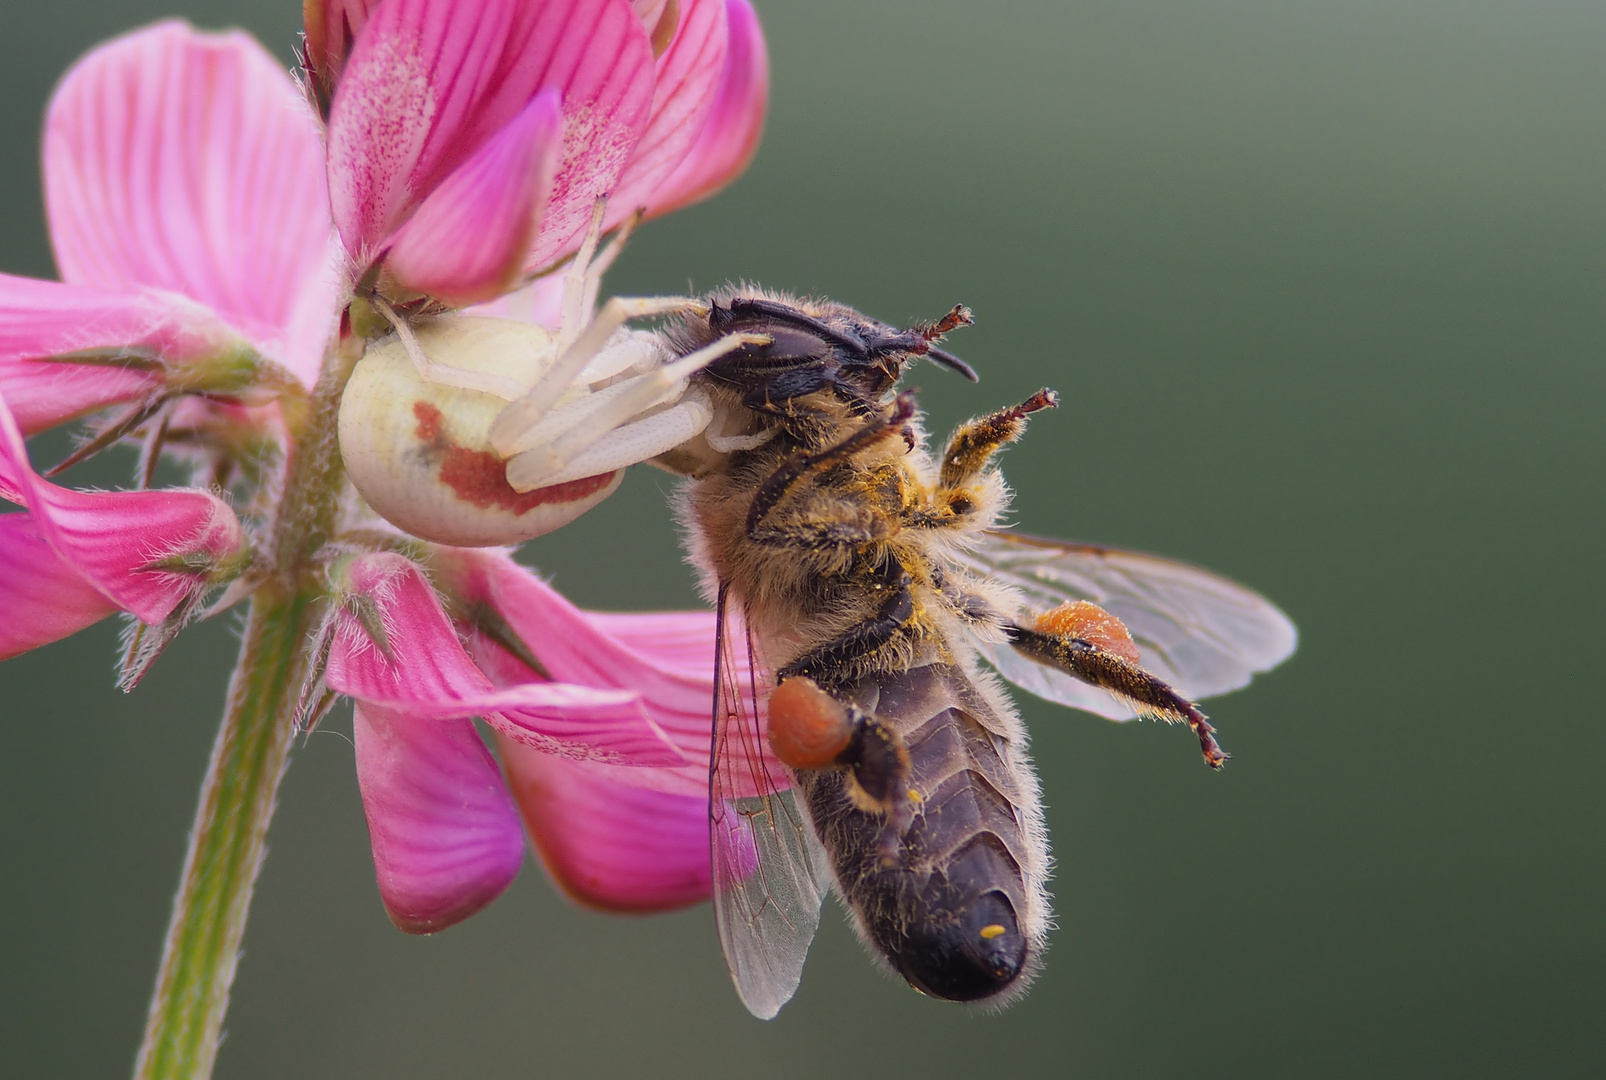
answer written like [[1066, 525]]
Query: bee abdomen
[[952, 910]]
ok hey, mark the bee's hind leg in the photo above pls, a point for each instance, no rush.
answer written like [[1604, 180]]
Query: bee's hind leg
[[1082, 659], [812, 729]]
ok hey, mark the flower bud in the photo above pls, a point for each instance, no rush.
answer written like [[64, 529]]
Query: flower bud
[[419, 451]]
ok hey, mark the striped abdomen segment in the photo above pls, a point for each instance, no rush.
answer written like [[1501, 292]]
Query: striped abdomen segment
[[952, 909]]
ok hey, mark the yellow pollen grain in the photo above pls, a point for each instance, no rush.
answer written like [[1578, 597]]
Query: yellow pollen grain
[[991, 931], [915, 796]]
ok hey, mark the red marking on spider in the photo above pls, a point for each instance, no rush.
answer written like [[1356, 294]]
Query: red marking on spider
[[479, 477]]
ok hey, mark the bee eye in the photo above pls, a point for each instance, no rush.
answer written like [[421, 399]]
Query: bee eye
[[786, 344]]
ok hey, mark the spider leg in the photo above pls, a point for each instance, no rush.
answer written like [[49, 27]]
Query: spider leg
[[522, 414], [605, 430]]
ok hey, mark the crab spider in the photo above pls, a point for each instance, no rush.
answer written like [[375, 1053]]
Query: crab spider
[[471, 430]]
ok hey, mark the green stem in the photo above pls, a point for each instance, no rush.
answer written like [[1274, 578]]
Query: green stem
[[228, 839], [227, 844]]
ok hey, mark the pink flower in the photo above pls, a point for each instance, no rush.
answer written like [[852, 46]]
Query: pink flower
[[76, 556], [185, 194], [468, 141], [179, 276], [608, 766], [210, 235]]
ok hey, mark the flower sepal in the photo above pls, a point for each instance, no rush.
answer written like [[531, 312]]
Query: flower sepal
[[204, 571]]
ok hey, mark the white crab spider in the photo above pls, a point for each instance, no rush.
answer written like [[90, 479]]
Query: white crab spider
[[474, 431]]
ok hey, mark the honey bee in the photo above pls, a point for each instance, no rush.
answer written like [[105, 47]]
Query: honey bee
[[868, 581]]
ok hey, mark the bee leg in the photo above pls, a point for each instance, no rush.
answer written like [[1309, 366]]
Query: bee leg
[[811, 729], [877, 762], [974, 608], [1082, 659], [795, 469], [974, 444], [831, 662]]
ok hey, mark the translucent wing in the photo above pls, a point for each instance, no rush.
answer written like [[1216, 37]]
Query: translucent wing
[[769, 871], [1201, 633]]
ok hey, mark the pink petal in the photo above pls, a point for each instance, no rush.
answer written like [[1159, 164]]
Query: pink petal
[[115, 538], [689, 74], [729, 138], [190, 162], [659, 661], [46, 318], [467, 240], [676, 640], [540, 302], [427, 674], [43, 598], [607, 843], [573, 650], [431, 81], [445, 834]]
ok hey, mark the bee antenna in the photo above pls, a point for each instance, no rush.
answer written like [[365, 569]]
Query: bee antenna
[[930, 332], [949, 360]]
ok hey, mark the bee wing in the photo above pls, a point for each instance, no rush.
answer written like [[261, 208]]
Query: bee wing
[[769, 871], [1203, 634]]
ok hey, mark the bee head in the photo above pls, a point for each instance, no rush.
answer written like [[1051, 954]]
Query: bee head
[[826, 347]]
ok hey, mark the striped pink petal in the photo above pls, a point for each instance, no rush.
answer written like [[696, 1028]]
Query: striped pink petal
[[467, 240], [189, 162], [44, 599], [689, 74], [659, 657], [431, 81], [412, 662], [117, 540], [605, 842], [574, 650], [729, 137], [47, 318], [445, 835]]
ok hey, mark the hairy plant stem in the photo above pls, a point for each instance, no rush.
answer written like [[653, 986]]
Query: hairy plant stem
[[227, 841]]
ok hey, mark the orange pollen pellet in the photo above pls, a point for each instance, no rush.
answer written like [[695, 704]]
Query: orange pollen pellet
[[1091, 623], [808, 727]]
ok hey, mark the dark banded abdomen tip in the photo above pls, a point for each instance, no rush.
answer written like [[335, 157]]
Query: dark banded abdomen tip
[[970, 958]]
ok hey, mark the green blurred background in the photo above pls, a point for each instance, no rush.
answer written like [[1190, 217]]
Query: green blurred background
[[1321, 284]]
